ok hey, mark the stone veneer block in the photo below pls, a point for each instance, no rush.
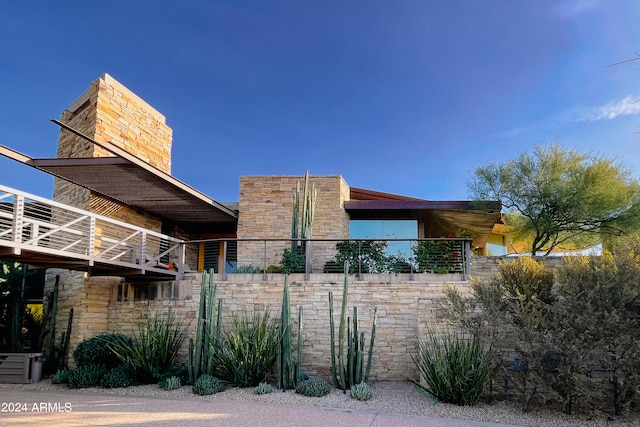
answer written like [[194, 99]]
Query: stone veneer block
[[266, 206]]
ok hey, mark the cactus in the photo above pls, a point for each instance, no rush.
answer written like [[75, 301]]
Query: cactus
[[302, 225], [348, 372], [64, 345], [361, 391], [313, 387], [170, 383], [288, 373], [48, 331], [207, 332], [263, 388]]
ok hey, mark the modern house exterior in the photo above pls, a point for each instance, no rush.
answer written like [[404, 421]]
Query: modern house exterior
[[114, 160]]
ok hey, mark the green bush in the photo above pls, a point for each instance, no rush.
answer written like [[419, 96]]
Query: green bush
[[247, 350], [97, 351], [438, 256], [170, 383], [60, 377], [86, 376], [152, 351], [247, 269], [453, 367], [207, 385], [313, 387], [364, 256], [264, 388], [118, 377], [293, 261], [361, 391]]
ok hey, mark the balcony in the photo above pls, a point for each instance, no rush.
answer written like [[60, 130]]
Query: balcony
[[406, 257]]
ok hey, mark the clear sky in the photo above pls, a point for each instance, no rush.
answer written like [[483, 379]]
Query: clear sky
[[401, 96]]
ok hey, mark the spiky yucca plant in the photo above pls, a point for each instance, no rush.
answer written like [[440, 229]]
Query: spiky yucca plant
[[453, 367]]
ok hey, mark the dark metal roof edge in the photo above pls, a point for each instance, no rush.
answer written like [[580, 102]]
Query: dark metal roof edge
[[149, 168]]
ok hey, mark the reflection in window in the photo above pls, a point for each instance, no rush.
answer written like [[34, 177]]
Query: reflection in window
[[386, 229]]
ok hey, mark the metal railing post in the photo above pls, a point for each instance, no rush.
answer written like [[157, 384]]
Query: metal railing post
[[181, 257], [18, 218], [308, 258], [91, 244], [143, 252], [467, 257]]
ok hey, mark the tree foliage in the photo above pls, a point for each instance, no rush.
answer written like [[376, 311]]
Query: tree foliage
[[557, 196], [575, 329]]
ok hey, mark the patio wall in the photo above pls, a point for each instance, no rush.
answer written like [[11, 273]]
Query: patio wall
[[405, 307], [402, 307]]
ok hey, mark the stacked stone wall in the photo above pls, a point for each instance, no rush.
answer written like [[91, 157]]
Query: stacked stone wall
[[401, 308], [487, 267], [106, 112], [266, 206]]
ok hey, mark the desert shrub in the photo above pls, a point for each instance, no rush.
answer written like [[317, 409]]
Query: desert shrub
[[86, 376], [247, 269], [293, 261], [264, 388], [313, 387], [170, 383], [207, 385], [97, 351], [481, 315], [117, 377], [438, 256], [60, 377], [364, 256], [596, 326], [152, 351], [453, 367], [247, 350], [361, 391]]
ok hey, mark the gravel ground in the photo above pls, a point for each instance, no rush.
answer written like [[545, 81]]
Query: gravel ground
[[389, 397]]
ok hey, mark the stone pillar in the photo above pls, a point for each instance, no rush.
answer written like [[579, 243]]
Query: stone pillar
[[266, 206], [109, 112]]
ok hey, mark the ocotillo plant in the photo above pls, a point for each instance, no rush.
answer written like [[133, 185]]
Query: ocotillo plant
[[348, 372], [207, 332], [288, 373]]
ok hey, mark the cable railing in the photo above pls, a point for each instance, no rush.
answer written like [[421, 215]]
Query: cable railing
[[364, 256], [40, 226], [36, 225]]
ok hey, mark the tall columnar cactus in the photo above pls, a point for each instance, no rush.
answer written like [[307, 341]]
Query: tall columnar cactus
[[288, 372], [302, 225], [349, 371], [207, 332], [64, 345]]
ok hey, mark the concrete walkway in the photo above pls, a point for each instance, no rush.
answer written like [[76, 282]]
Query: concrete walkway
[[52, 409]]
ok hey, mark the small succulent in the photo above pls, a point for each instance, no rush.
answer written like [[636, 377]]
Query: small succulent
[[170, 383], [313, 387], [207, 384], [361, 391], [264, 388]]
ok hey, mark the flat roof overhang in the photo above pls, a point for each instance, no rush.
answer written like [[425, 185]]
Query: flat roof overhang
[[133, 182], [440, 218]]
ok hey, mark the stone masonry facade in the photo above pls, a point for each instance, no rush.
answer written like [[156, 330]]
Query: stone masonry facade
[[405, 308], [401, 308], [265, 208], [109, 112]]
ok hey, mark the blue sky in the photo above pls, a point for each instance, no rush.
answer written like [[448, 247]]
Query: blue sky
[[406, 97]]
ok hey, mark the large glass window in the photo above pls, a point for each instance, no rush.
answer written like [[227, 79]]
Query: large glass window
[[386, 229]]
